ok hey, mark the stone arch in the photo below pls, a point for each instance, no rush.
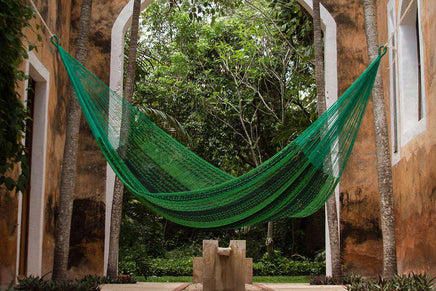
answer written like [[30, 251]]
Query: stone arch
[[31, 241], [119, 29]]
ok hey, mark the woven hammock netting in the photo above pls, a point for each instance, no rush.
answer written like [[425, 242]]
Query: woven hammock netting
[[179, 185]]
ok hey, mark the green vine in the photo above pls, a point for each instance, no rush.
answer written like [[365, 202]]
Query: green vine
[[14, 17]]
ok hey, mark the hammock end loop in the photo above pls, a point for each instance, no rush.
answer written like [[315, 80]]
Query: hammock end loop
[[382, 50], [54, 40]]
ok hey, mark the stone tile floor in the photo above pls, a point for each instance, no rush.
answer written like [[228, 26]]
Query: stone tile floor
[[255, 287]]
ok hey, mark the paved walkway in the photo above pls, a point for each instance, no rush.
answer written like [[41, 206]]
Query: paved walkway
[[173, 286], [141, 287], [302, 287]]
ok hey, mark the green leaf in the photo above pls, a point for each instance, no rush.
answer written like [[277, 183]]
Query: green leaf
[[9, 183]]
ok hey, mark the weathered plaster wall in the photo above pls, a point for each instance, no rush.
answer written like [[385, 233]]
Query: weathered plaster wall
[[87, 230], [58, 16], [46, 53], [361, 235], [414, 176], [8, 232], [360, 230]]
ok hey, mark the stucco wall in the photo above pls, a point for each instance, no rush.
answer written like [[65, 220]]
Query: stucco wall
[[359, 206], [87, 230], [46, 53], [8, 232], [414, 176]]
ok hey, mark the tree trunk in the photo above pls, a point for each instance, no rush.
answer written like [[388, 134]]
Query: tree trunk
[[384, 169], [270, 239], [332, 215], [117, 204], [319, 58], [69, 163]]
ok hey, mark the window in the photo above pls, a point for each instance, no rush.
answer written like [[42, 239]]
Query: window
[[393, 61], [408, 76]]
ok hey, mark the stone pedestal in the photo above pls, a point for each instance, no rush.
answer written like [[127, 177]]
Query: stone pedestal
[[223, 268]]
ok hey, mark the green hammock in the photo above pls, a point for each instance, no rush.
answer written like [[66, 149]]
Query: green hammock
[[179, 185]]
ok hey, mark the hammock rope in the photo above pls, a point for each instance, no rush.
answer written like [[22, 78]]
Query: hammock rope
[[179, 185]]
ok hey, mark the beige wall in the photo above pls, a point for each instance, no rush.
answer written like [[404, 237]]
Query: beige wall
[[414, 176], [359, 206], [87, 238], [46, 54], [87, 241]]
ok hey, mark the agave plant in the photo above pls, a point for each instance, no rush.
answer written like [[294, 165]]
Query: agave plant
[[409, 282]]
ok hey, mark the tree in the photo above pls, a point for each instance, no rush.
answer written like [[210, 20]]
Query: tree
[[217, 76], [384, 169], [69, 163], [205, 71], [255, 95], [112, 267], [332, 215]]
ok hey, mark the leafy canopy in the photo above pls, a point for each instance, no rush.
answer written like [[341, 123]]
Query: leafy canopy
[[238, 84], [15, 16], [217, 71]]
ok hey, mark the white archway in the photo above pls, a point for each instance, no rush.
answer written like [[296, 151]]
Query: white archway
[[36, 70], [119, 29]]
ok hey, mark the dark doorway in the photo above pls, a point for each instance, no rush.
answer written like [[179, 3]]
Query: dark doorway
[[24, 242]]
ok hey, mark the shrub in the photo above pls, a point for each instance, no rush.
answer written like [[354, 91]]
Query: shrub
[[179, 266], [171, 267], [127, 268], [87, 283], [39, 284], [410, 282], [327, 280], [277, 265], [323, 280]]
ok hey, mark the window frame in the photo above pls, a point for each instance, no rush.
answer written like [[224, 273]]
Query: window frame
[[407, 81], [393, 81]]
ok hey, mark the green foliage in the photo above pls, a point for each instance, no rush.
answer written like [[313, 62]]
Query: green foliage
[[87, 283], [128, 268], [410, 282], [204, 8], [158, 267], [141, 237], [277, 265], [324, 280], [180, 71], [38, 283], [15, 16], [177, 279], [280, 279], [355, 282], [175, 241], [256, 279], [293, 20], [222, 73], [171, 267]]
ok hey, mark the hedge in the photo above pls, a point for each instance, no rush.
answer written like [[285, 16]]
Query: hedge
[[277, 266]]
